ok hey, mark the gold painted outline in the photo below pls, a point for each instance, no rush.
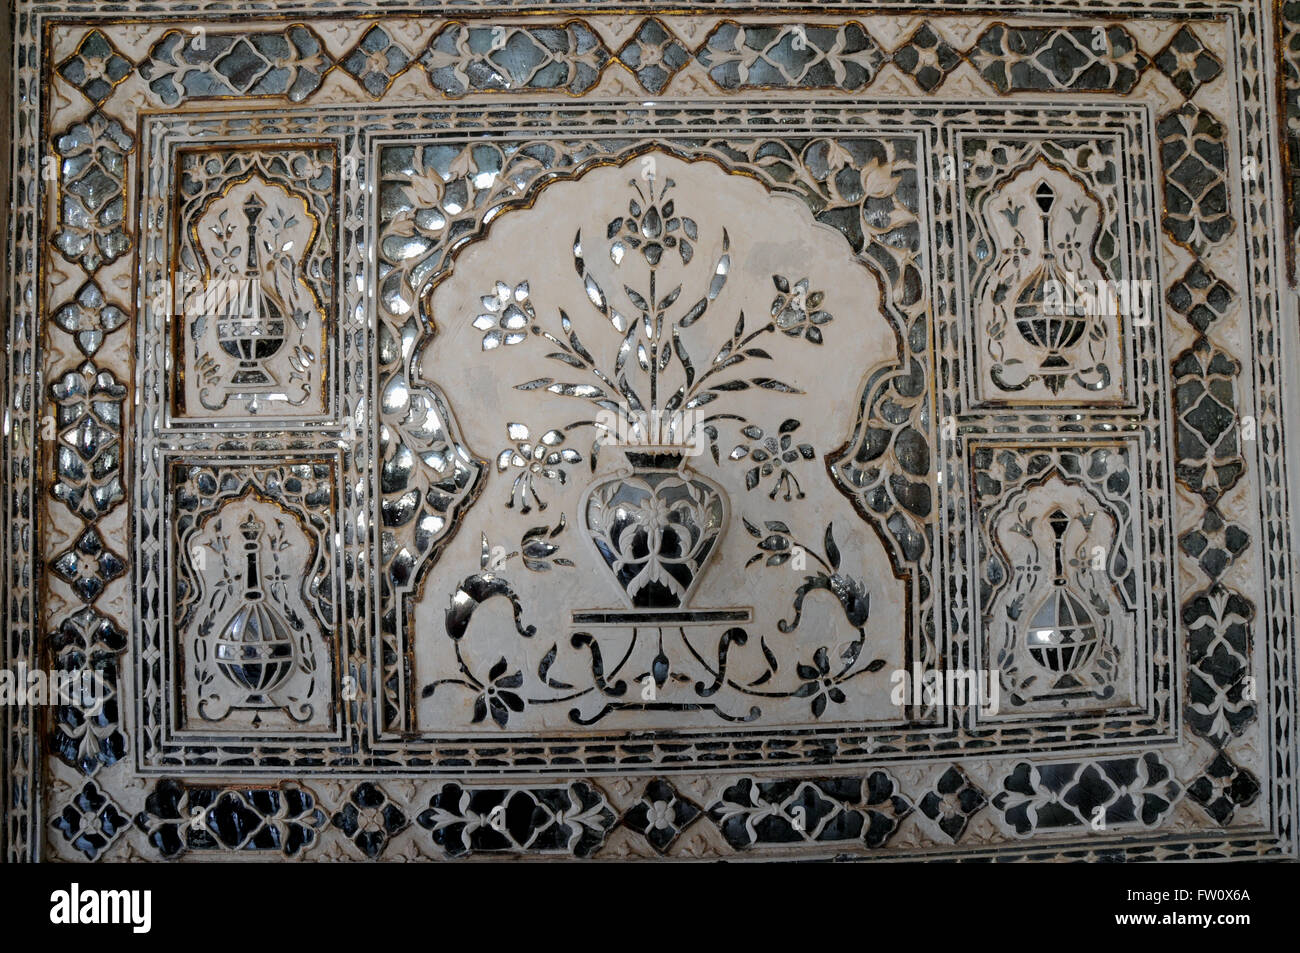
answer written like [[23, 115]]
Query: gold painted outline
[[332, 632], [175, 401]]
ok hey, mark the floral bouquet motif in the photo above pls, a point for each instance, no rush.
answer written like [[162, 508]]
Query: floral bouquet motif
[[660, 394], [656, 528]]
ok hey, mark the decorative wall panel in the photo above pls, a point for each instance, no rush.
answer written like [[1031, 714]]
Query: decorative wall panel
[[625, 431]]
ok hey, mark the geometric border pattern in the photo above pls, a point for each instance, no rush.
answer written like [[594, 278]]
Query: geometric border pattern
[[865, 807]]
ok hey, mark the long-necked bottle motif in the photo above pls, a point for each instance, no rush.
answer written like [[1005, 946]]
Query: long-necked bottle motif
[[1042, 316], [1062, 634], [252, 325], [255, 649]]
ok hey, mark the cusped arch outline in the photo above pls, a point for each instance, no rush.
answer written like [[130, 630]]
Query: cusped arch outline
[[883, 468]]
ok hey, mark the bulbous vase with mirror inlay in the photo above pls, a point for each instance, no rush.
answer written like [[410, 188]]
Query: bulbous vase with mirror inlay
[[655, 527], [251, 328], [1046, 313], [255, 649], [1063, 634]]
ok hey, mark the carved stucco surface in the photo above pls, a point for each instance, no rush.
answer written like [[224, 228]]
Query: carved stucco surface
[[823, 384], [447, 218]]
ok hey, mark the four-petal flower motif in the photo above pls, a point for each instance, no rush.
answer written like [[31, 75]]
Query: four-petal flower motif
[[661, 815], [89, 318], [370, 819]]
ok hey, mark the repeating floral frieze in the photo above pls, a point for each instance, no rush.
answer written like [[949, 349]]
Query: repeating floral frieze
[[192, 64], [462, 58], [1117, 792], [1221, 701], [845, 817], [92, 203], [1289, 120]]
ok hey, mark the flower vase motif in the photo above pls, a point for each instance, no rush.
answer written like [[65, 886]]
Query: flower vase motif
[[1048, 328], [255, 649], [661, 410], [252, 324], [1062, 635], [655, 527]]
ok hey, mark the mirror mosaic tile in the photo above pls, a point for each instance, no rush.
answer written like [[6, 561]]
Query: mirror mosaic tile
[[651, 430]]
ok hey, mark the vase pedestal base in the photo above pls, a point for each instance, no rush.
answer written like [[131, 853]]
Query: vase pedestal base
[[671, 617]]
